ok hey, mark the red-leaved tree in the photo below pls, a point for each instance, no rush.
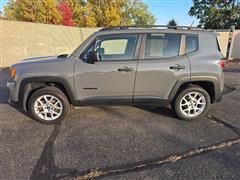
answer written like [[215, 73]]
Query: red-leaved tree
[[67, 14]]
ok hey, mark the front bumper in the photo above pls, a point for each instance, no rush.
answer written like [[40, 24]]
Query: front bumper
[[13, 103], [12, 91]]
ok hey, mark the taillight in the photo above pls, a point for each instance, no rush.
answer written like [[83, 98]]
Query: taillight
[[221, 64]]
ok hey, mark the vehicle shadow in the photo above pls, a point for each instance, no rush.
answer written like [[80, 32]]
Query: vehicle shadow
[[4, 76], [164, 111], [46, 167], [3, 95]]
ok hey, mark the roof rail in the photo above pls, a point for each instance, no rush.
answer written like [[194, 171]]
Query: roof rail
[[151, 26]]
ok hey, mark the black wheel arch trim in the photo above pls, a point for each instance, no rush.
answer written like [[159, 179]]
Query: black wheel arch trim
[[24, 89], [187, 80]]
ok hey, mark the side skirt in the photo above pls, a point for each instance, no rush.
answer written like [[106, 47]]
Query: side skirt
[[124, 101]]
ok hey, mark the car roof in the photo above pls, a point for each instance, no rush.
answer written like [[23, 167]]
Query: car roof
[[154, 29]]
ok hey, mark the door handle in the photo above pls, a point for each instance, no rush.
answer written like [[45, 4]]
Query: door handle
[[125, 69], [177, 67]]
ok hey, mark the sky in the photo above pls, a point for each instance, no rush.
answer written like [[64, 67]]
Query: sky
[[163, 10]]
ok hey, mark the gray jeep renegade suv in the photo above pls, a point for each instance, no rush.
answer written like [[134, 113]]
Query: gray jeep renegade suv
[[157, 66]]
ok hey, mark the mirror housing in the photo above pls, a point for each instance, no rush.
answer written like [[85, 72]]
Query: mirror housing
[[92, 57]]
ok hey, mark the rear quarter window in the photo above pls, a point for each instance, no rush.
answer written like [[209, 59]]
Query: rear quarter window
[[191, 43]]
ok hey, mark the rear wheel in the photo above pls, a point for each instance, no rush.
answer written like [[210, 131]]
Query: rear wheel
[[48, 105], [191, 103]]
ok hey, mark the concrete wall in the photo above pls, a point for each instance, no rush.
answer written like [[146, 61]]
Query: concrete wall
[[223, 38], [223, 41], [235, 46], [19, 40]]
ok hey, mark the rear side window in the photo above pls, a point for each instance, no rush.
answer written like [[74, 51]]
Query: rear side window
[[191, 43], [162, 46]]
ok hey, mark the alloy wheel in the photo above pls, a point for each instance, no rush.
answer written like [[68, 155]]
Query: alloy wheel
[[193, 104], [48, 107]]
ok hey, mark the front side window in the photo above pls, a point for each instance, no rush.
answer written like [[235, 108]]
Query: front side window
[[191, 43], [116, 47], [162, 46]]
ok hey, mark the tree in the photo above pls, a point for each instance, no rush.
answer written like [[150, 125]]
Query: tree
[[66, 13], [136, 12], [83, 14], [107, 12], [216, 14], [43, 11], [172, 22], [80, 13], [121, 12]]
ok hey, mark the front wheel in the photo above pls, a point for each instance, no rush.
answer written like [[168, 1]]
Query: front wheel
[[48, 105], [191, 103]]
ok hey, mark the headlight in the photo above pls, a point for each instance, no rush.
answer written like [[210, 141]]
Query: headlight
[[13, 72]]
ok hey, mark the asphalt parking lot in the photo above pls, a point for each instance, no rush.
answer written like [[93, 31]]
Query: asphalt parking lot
[[123, 142]]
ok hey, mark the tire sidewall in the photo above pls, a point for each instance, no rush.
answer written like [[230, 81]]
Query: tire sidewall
[[48, 91], [182, 94]]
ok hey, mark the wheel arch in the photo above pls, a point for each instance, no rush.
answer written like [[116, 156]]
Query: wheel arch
[[210, 84], [31, 84]]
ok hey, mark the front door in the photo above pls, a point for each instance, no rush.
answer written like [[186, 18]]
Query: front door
[[161, 65], [110, 80]]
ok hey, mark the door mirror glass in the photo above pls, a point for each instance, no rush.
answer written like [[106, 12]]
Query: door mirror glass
[[92, 57]]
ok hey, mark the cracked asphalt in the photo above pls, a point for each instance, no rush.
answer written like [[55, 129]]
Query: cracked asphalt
[[123, 142]]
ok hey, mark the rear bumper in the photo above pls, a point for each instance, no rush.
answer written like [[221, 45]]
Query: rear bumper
[[218, 96]]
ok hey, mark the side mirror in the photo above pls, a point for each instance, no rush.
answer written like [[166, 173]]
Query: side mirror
[[92, 57]]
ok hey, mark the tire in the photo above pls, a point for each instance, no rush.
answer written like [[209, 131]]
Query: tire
[[189, 109], [48, 105]]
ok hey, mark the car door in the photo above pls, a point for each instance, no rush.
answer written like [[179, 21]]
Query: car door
[[110, 80], [162, 63]]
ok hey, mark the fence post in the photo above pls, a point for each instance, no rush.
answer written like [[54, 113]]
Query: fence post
[[229, 48]]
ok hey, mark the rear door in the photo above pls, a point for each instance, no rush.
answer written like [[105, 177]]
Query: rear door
[[162, 63]]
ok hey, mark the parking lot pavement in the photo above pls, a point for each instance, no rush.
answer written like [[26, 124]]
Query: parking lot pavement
[[229, 109], [4, 75], [123, 142], [220, 164]]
